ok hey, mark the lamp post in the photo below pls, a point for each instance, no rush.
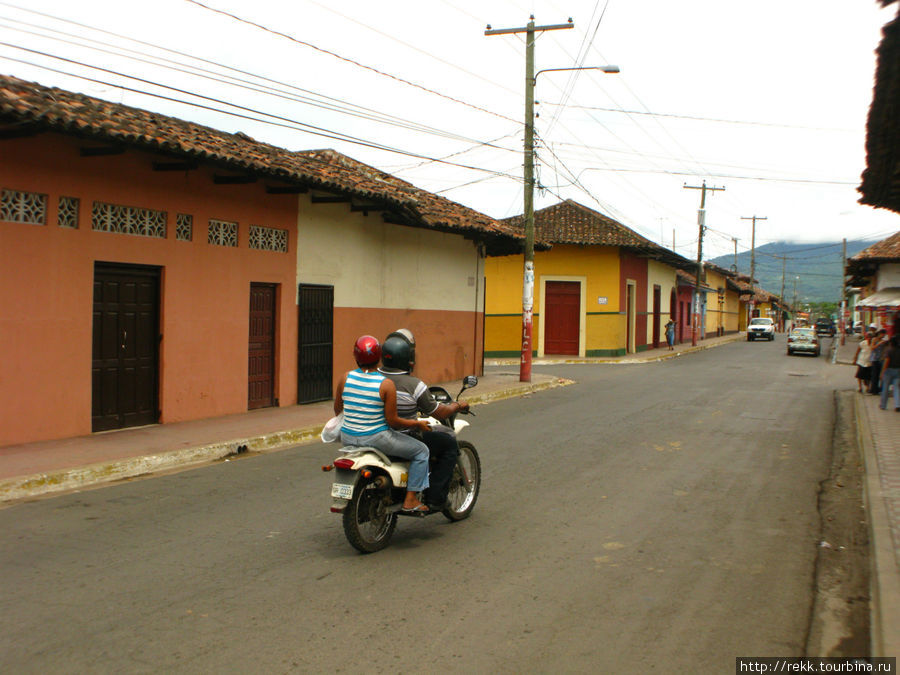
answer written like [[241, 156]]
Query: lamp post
[[528, 271]]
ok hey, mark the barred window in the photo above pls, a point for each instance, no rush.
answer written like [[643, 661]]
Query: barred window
[[184, 227], [23, 207], [268, 239], [67, 213], [128, 220], [222, 233]]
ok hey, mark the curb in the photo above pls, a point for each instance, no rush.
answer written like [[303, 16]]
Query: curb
[[35, 485], [631, 360], [885, 578]]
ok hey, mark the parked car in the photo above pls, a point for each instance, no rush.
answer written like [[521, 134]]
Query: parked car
[[761, 328], [825, 327], [803, 340]]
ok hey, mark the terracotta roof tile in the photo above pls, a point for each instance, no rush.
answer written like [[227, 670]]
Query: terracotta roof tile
[[886, 250], [569, 222], [33, 105]]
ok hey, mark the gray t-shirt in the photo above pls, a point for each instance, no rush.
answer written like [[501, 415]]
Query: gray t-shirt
[[412, 394]]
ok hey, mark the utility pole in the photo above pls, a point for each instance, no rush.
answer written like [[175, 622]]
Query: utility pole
[[753, 246], [753, 257], [734, 239], [781, 297], [701, 221], [528, 273]]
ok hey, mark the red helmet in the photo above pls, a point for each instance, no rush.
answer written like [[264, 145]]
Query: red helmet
[[367, 351]]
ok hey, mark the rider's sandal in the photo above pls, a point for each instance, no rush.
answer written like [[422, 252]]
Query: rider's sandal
[[421, 509]]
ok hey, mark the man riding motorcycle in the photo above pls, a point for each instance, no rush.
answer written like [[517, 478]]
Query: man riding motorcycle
[[398, 357]]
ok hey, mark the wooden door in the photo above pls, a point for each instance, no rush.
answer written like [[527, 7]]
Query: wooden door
[[125, 365], [315, 343], [261, 384], [562, 320]]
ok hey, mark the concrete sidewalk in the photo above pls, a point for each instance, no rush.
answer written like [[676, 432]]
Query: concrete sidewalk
[[879, 439]]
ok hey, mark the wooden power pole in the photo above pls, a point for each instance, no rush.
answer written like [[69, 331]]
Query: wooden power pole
[[528, 273], [701, 221]]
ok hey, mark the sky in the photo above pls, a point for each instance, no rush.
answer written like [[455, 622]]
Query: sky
[[767, 100]]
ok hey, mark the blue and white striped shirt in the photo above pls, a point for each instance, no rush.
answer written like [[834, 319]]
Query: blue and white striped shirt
[[363, 407]]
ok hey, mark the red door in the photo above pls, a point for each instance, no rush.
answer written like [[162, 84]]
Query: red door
[[262, 346], [562, 320]]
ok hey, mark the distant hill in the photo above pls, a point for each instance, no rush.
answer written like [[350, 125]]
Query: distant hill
[[818, 266]]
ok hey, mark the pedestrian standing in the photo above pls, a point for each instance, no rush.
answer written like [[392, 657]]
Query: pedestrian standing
[[879, 345], [670, 334], [890, 373], [862, 361]]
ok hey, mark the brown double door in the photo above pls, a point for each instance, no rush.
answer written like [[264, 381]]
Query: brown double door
[[261, 382], [125, 365], [562, 321]]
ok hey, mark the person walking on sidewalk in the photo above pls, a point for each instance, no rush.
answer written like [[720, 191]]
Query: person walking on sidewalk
[[890, 373], [670, 334], [862, 361]]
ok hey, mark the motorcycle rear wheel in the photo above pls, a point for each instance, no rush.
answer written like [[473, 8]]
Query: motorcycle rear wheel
[[368, 525], [461, 501]]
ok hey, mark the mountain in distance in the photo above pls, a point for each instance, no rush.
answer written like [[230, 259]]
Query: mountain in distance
[[818, 268]]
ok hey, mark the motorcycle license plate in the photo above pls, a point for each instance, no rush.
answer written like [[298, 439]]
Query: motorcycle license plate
[[341, 491]]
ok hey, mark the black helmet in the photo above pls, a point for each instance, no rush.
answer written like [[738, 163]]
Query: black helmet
[[399, 350]]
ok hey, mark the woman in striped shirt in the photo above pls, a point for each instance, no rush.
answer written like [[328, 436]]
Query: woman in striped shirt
[[369, 402]]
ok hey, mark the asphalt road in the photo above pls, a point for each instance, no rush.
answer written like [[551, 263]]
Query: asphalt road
[[650, 518]]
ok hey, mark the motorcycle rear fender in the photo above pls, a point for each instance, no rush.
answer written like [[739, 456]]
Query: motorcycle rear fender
[[397, 470]]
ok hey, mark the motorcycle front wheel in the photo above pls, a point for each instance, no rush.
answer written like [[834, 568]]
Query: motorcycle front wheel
[[368, 524], [463, 493]]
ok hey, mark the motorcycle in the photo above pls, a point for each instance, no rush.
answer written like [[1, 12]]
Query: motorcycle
[[369, 486]]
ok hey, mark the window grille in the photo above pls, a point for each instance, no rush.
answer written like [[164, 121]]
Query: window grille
[[128, 220], [67, 213], [23, 207], [268, 239], [222, 233], [184, 227]]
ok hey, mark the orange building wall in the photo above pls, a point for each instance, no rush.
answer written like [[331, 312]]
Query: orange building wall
[[447, 343], [46, 285]]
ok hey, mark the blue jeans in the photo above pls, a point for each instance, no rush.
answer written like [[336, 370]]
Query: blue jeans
[[395, 444], [891, 376]]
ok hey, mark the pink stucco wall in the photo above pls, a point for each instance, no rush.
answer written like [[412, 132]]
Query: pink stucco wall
[[46, 283]]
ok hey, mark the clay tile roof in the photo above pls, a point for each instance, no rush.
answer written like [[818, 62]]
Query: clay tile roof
[[884, 250], [569, 222], [31, 106]]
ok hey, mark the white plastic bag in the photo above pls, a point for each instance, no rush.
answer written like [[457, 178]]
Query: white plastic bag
[[331, 432]]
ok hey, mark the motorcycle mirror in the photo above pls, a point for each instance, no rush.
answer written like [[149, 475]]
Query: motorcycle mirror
[[469, 381]]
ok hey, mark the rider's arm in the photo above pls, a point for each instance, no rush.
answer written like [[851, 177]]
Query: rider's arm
[[445, 410], [339, 396], [388, 392]]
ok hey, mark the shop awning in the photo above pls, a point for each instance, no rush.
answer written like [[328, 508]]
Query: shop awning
[[885, 298]]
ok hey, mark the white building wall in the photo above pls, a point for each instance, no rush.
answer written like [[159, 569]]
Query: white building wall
[[376, 265]]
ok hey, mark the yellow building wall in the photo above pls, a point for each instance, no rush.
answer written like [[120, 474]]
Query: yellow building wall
[[596, 267], [715, 313], [732, 311]]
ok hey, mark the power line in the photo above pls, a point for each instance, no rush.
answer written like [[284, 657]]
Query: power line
[[339, 106], [348, 60], [284, 122], [701, 119]]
